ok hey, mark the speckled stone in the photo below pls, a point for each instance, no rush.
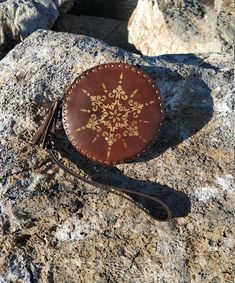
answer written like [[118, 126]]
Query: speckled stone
[[175, 27], [53, 229], [20, 18]]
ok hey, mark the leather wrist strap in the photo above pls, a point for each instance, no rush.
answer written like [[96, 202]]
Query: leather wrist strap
[[46, 137]]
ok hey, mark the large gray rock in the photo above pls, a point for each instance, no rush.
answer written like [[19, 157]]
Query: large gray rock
[[47, 235], [19, 18], [166, 26]]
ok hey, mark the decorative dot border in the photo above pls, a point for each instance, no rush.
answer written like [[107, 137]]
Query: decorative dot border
[[69, 93]]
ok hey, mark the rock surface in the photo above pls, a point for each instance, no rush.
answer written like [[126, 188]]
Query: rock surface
[[169, 27], [20, 18], [114, 32], [53, 229]]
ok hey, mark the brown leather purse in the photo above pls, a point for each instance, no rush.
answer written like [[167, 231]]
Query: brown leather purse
[[111, 113]]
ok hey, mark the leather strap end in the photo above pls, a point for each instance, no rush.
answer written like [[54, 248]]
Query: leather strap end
[[41, 136]]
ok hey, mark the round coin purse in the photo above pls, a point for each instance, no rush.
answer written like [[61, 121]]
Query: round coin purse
[[111, 113]]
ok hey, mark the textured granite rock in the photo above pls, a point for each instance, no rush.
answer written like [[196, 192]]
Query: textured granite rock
[[53, 229], [113, 31], [19, 18], [169, 27]]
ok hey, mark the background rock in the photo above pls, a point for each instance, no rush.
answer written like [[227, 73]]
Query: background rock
[[114, 32], [53, 229], [115, 9], [19, 18], [166, 26]]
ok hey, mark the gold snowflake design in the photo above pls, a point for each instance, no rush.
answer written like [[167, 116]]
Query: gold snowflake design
[[115, 115]]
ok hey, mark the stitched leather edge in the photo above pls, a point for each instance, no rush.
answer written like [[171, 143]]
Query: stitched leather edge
[[68, 92]]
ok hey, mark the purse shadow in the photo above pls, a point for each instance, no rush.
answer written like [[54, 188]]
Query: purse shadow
[[187, 102], [189, 107], [178, 202]]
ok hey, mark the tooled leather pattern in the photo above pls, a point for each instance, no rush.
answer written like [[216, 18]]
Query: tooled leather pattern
[[112, 112]]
